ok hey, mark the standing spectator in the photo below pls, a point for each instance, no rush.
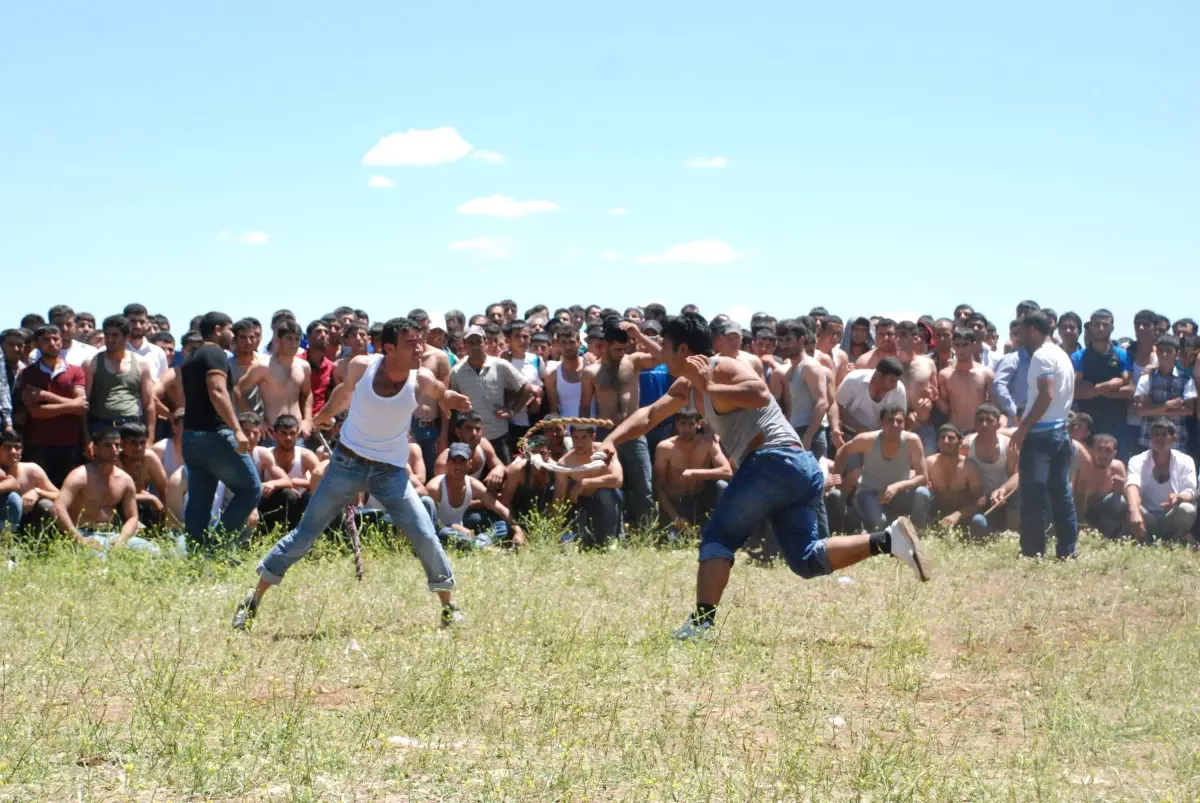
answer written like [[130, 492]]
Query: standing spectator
[[533, 369], [484, 379], [1141, 360], [11, 344], [1161, 488], [215, 449], [1165, 392], [1044, 444], [1102, 380], [54, 395], [120, 389], [76, 351], [137, 340]]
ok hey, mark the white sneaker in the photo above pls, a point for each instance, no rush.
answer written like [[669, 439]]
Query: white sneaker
[[691, 630], [906, 547], [451, 617]]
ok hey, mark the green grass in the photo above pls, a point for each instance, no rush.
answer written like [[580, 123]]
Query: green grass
[[1000, 680]]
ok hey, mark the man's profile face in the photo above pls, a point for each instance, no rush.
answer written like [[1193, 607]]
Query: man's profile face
[[888, 382], [674, 355], [106, 450], [168, 349], [223, 336], [286, 437], [134, 448], [948, 442], [964, 313]]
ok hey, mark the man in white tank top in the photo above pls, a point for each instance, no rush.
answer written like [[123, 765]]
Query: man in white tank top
[[776, 478], [467, 515], [380, 392], [283, 502]]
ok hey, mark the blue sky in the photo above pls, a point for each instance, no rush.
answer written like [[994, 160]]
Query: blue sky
[[877, 156]]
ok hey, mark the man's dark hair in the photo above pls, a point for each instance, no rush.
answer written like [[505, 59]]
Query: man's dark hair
[[987, 408], [1085, 419], [32, 321], [959, 309], [86, 316], [690, 308], [1026, 307], [613, 333], [831, 320], [255, 322], [361, 313], [135, 309], [281, 315], [158, 338], [134, 430], [595, 331], [765, 334], [536, 309], [375, 330], [508, 303], [487, 311], [192, 337], [210, 322], [692, 330], [515, 326], [244, 325], [950, 428], [818, 312], [42, 331], [889, 410], [577, 309], [7, 333], [353, 329], [655, 312], [1189, 341], [1102, 313], [395, 327], [905, 328], [890, 366], [312, 327], [60, 312], [119, 322], [1051, 314], [689, 413], [884, 323], [10, 437], [343, 311], [1186, 322], [329, 319], [457, 317], [493, 330], [418, 316], [286, 421], [469, 417], [161, 321], [566, 332], [1146, 316], [761, 320], [250, 420], [1168, 341], [1162, 422], [1071, 316], [288, 326], [539, 337], [1038, 322], [976, 317], [107, 432], [793, 327], [1163, 322]]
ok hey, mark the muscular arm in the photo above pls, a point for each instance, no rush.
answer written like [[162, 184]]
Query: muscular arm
[[158, 476], [432, 387], [814, 379], [8, 484], [734, 385], [551, 384], [493, 469], [943, 400], [218, 394], [247, 383], [587, 389], [149, 404], [38, 406], [720, 469], [306, 401], [339, 400], [859, 444], [129, 513], [916, 461], [512, 481], [62, 507], [647, 418]]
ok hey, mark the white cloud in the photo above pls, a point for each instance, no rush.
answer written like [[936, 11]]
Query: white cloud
[[380, 182], [708, 162], [502, 206], [700, 252], [418, 147], [249, 237], [613, 255], [493, 247], [489, 156], [618, 211]]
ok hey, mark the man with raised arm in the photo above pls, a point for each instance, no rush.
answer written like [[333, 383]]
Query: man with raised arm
[[380, 393], [776, 478]]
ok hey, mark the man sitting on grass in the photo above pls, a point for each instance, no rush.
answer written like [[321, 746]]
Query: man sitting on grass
[[29, 493], [463, 512], [1161, 488]]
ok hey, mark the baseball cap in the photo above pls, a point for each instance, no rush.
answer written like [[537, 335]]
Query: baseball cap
[[437, 321], [460, 450], [652, 326], [730, 327], [473, 331]]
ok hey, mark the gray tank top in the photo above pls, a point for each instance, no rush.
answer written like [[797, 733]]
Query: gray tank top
[[993, 475], [879, 472], [802, 400], [738, 429]]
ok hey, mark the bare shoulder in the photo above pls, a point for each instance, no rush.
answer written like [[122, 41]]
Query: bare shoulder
[[731, 369]]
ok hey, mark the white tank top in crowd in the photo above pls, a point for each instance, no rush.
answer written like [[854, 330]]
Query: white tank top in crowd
[[450, 514], [568, 393], [377, 426]]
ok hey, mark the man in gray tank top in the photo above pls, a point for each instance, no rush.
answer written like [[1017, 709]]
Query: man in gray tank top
[[894, 481], [775, 480]]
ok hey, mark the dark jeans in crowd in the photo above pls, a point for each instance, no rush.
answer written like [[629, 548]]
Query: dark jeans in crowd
[[149, 515], [212, 457], [486, 528], [597, 518], [1045, 466], [426, 437], [1109, 515], [820, 446], [639, 474], [56, 461], [283, 508], [17, 520]]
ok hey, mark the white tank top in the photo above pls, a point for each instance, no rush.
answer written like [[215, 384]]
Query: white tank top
[[297, 469], [447, 513], [377, 427], [568, 393]]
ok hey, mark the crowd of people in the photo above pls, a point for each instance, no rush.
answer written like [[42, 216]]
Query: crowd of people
[[119, 435]]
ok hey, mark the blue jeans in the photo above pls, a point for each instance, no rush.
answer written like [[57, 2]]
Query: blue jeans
[[14, 509], [486, 528], [426, 438], [1045, 466], [784, 487], [345, 479], [597, 518], [639, 471], [914, 503], [820, 446], [927, 432], [212, 457]]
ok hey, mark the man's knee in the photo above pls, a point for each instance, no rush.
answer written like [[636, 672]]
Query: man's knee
[[1182, 517]]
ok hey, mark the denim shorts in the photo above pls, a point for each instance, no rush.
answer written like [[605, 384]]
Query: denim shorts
[[783, 486]]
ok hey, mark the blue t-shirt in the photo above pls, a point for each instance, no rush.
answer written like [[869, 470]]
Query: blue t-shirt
[[653, 385], [1108, 415]]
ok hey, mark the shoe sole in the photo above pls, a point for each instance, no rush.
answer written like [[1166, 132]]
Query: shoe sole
[[924, 568]]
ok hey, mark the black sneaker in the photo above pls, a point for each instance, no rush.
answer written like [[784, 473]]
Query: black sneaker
[[451, 616], [245, 612]]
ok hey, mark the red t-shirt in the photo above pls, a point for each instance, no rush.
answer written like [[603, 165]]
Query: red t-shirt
[[62, 430], [322, 380]]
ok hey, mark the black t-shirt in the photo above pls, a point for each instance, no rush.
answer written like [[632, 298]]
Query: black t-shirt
[[199, 415]]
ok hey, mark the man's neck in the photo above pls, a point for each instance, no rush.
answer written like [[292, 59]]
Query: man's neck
[[279, 450], [477, 362], [964, 366], [1166, 369], [130, 460], [571, 359], [117, 355], [104, 469], [517, 353], [1145, 350], [1101, 346], [136, 342], [50, 362], [1161, 458], [315, 354], [289, 358], [987, 439]]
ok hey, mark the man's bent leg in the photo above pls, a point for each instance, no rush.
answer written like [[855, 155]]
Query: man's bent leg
[[391, 487], [866, 502], [14, 508], [240, 476], [343, 481]]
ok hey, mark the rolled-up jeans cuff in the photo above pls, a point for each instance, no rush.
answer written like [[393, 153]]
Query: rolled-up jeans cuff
[[267, 576], [444, 585], [714, 550]]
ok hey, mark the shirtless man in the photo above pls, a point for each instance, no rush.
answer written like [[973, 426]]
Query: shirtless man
[[690, 472], [93, 494], [965, 385], [1100, 488], [807, 392], [484, 464], [886, 344], [356, 340], [943, 343], [149, 476], [31, 497], [947, 469], [613, 383], [829, 343], [427, 420], [992, 466], [920, 383], [596, 493], [526, 488], [466, 515], [564, 381], [284, 382], [727, 342], [284, 499], [245, 357]]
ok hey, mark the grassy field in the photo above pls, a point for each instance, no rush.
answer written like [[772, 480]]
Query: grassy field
[[1000, 680]]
